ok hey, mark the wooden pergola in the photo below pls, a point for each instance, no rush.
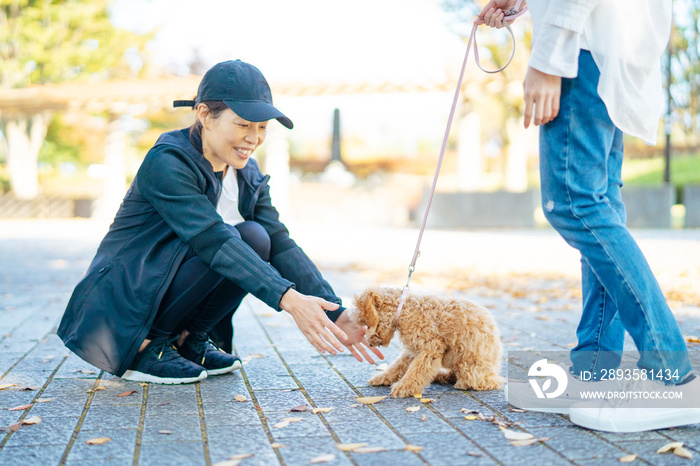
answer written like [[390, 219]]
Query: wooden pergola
[[24, 113]]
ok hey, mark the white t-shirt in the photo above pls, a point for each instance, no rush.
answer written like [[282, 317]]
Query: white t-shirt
[[626, 39], [228, 202]]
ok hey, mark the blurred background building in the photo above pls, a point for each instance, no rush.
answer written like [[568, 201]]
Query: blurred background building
[[86, 87]]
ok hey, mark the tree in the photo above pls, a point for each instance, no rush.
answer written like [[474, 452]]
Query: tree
[[685, 69], [52, 41]]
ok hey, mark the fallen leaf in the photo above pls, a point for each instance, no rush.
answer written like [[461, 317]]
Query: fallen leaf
[[98, 440], [692, 339], [277, 445], [228, 463], [240, 398], [382, 367], [293, 419], [356, 405], [515, 435], [669, 446], [471, 417], [413, 409], [31, 421], [322, 459], [424, 418], [130, 392], [369, 450], [86, 371], [417, 395], [627, 459], [47, 359], [28, 389], [281, 425], [20, 408], [525, 442], [468, 411], [518, 410], [413, 448], [165, 432], [242, 456], [370, 400], [44, 400], [350, 446], [321, 410], [683, 453], [299, 409], [427, 400], [14, 427], [7, 385], [474, 453]]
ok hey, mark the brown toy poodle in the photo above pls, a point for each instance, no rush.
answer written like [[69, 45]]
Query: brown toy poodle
[[444, 340]]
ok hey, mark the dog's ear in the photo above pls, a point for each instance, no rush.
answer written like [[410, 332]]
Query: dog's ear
[[366, 304]]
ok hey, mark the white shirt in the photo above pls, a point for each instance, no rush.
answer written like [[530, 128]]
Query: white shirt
[[228, 202], [626, 39]]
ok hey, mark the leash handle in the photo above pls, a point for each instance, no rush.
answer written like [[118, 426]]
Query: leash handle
[[509, 17]]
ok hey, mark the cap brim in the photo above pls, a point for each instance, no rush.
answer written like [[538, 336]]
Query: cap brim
[[258, 111]]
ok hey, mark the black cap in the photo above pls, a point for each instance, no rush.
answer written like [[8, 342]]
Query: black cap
[[242, 87]]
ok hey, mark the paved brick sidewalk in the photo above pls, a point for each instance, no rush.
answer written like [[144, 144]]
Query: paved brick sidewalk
[[205, 424]]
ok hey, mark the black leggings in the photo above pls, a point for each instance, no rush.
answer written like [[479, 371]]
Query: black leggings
[[198, 297]]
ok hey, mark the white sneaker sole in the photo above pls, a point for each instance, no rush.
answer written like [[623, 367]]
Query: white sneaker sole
[[136, 376], [554, 406], [225, 370], [648, 419]]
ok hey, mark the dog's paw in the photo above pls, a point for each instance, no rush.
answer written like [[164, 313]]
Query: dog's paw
[[494, 382], [445, 377], [380, 379], [399, 390]]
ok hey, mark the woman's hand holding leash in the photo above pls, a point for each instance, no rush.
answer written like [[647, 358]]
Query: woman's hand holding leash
[[495, 12], [541, 91]]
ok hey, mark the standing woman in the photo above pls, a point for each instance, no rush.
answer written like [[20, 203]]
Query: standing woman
[[170, 269]]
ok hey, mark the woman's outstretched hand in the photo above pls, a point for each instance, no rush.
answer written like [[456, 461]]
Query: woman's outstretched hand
[[356, 342], [308, 313]]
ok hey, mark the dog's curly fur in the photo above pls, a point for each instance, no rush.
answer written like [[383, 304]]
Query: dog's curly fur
[[445, 341]]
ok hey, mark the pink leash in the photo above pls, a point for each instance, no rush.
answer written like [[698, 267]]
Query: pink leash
[[509, 17]]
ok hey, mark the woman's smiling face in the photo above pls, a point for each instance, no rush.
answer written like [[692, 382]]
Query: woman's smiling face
[[229, 139]]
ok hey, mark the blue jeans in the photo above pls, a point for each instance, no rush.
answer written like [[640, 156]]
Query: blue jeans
[[580, 168]]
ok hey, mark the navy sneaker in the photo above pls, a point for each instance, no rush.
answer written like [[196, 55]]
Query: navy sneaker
[[159, 362], [199, 349]]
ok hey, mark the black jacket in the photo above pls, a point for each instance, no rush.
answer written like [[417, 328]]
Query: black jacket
[[170, 205]]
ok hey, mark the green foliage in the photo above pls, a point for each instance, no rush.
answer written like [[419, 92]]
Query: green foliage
[[60, 145], [45, 41], [685, 169]]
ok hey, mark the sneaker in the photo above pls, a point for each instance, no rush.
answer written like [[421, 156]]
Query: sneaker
[[199, 349], [630, 414], [522, 395], [161, 363]]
